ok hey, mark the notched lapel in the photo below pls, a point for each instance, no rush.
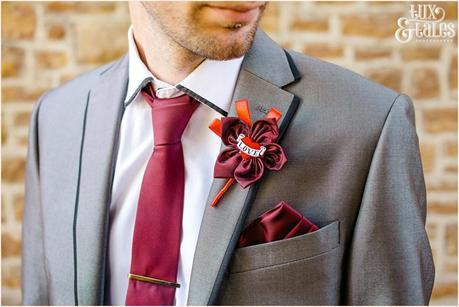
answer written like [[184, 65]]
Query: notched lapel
[[222, 225], [102, 120]]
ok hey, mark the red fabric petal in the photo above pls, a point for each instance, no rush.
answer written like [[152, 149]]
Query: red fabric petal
[[264, 131], [274, 157], [226, 163], [249, 171], [231, 128]]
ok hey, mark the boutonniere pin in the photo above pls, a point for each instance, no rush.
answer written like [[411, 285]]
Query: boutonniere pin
[[251, 148]]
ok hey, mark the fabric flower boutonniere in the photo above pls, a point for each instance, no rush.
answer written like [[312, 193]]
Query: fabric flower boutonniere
[[251, 148]]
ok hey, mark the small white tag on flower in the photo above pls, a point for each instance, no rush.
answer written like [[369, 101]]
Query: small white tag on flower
[[249, 147]]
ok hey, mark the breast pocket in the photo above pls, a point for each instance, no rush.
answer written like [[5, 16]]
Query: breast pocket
[[284, 251], [303, 270]]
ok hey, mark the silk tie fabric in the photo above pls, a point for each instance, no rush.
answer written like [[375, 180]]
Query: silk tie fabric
[[158, 223]]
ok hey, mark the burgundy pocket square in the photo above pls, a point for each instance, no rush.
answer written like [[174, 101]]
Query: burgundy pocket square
[[279, 223]]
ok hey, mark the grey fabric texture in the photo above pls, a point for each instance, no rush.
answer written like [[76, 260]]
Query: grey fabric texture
[[353, 168]]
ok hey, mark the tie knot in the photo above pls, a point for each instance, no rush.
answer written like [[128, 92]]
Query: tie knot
[[170, 116]]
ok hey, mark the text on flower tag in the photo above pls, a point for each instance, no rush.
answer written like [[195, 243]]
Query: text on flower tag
[[249, 147]]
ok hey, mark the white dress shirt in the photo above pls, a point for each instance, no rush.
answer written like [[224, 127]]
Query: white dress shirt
[[212, 82]]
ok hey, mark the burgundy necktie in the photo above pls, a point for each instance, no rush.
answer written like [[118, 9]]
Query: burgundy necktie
[[158, 223]]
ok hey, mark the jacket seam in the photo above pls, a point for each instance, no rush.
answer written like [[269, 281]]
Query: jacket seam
[[379, 136], [37, 145], [351, 241], [75, 215], [374, 150]]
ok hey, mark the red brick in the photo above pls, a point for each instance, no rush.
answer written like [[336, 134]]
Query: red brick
[[425, 84], [323, 50], [440, 120], [390, 77], [13, 170], [80, 7], [12, 61], [369, 25], [11, 246], [18, 20]]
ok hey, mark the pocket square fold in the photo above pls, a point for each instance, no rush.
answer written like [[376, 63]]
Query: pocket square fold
[[279, 223]]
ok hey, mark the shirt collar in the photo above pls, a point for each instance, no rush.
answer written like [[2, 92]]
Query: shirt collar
[[212, 82]]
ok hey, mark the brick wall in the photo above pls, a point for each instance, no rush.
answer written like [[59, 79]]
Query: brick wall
[[45, 44]]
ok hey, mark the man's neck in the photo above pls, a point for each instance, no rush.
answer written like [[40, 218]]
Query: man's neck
[[167, 60]]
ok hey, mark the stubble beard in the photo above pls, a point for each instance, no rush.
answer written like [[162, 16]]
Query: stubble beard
[[207, 46]]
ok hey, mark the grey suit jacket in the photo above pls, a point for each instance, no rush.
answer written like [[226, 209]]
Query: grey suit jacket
[[353, 168]]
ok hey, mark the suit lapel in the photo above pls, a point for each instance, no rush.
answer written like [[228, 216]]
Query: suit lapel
[[265, 69], [98, 152]]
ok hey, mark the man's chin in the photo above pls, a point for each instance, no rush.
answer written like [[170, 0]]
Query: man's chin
[[227, 47], [225, 52]]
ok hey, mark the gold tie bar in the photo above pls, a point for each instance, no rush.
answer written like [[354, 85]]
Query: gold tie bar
[[154, 280]]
